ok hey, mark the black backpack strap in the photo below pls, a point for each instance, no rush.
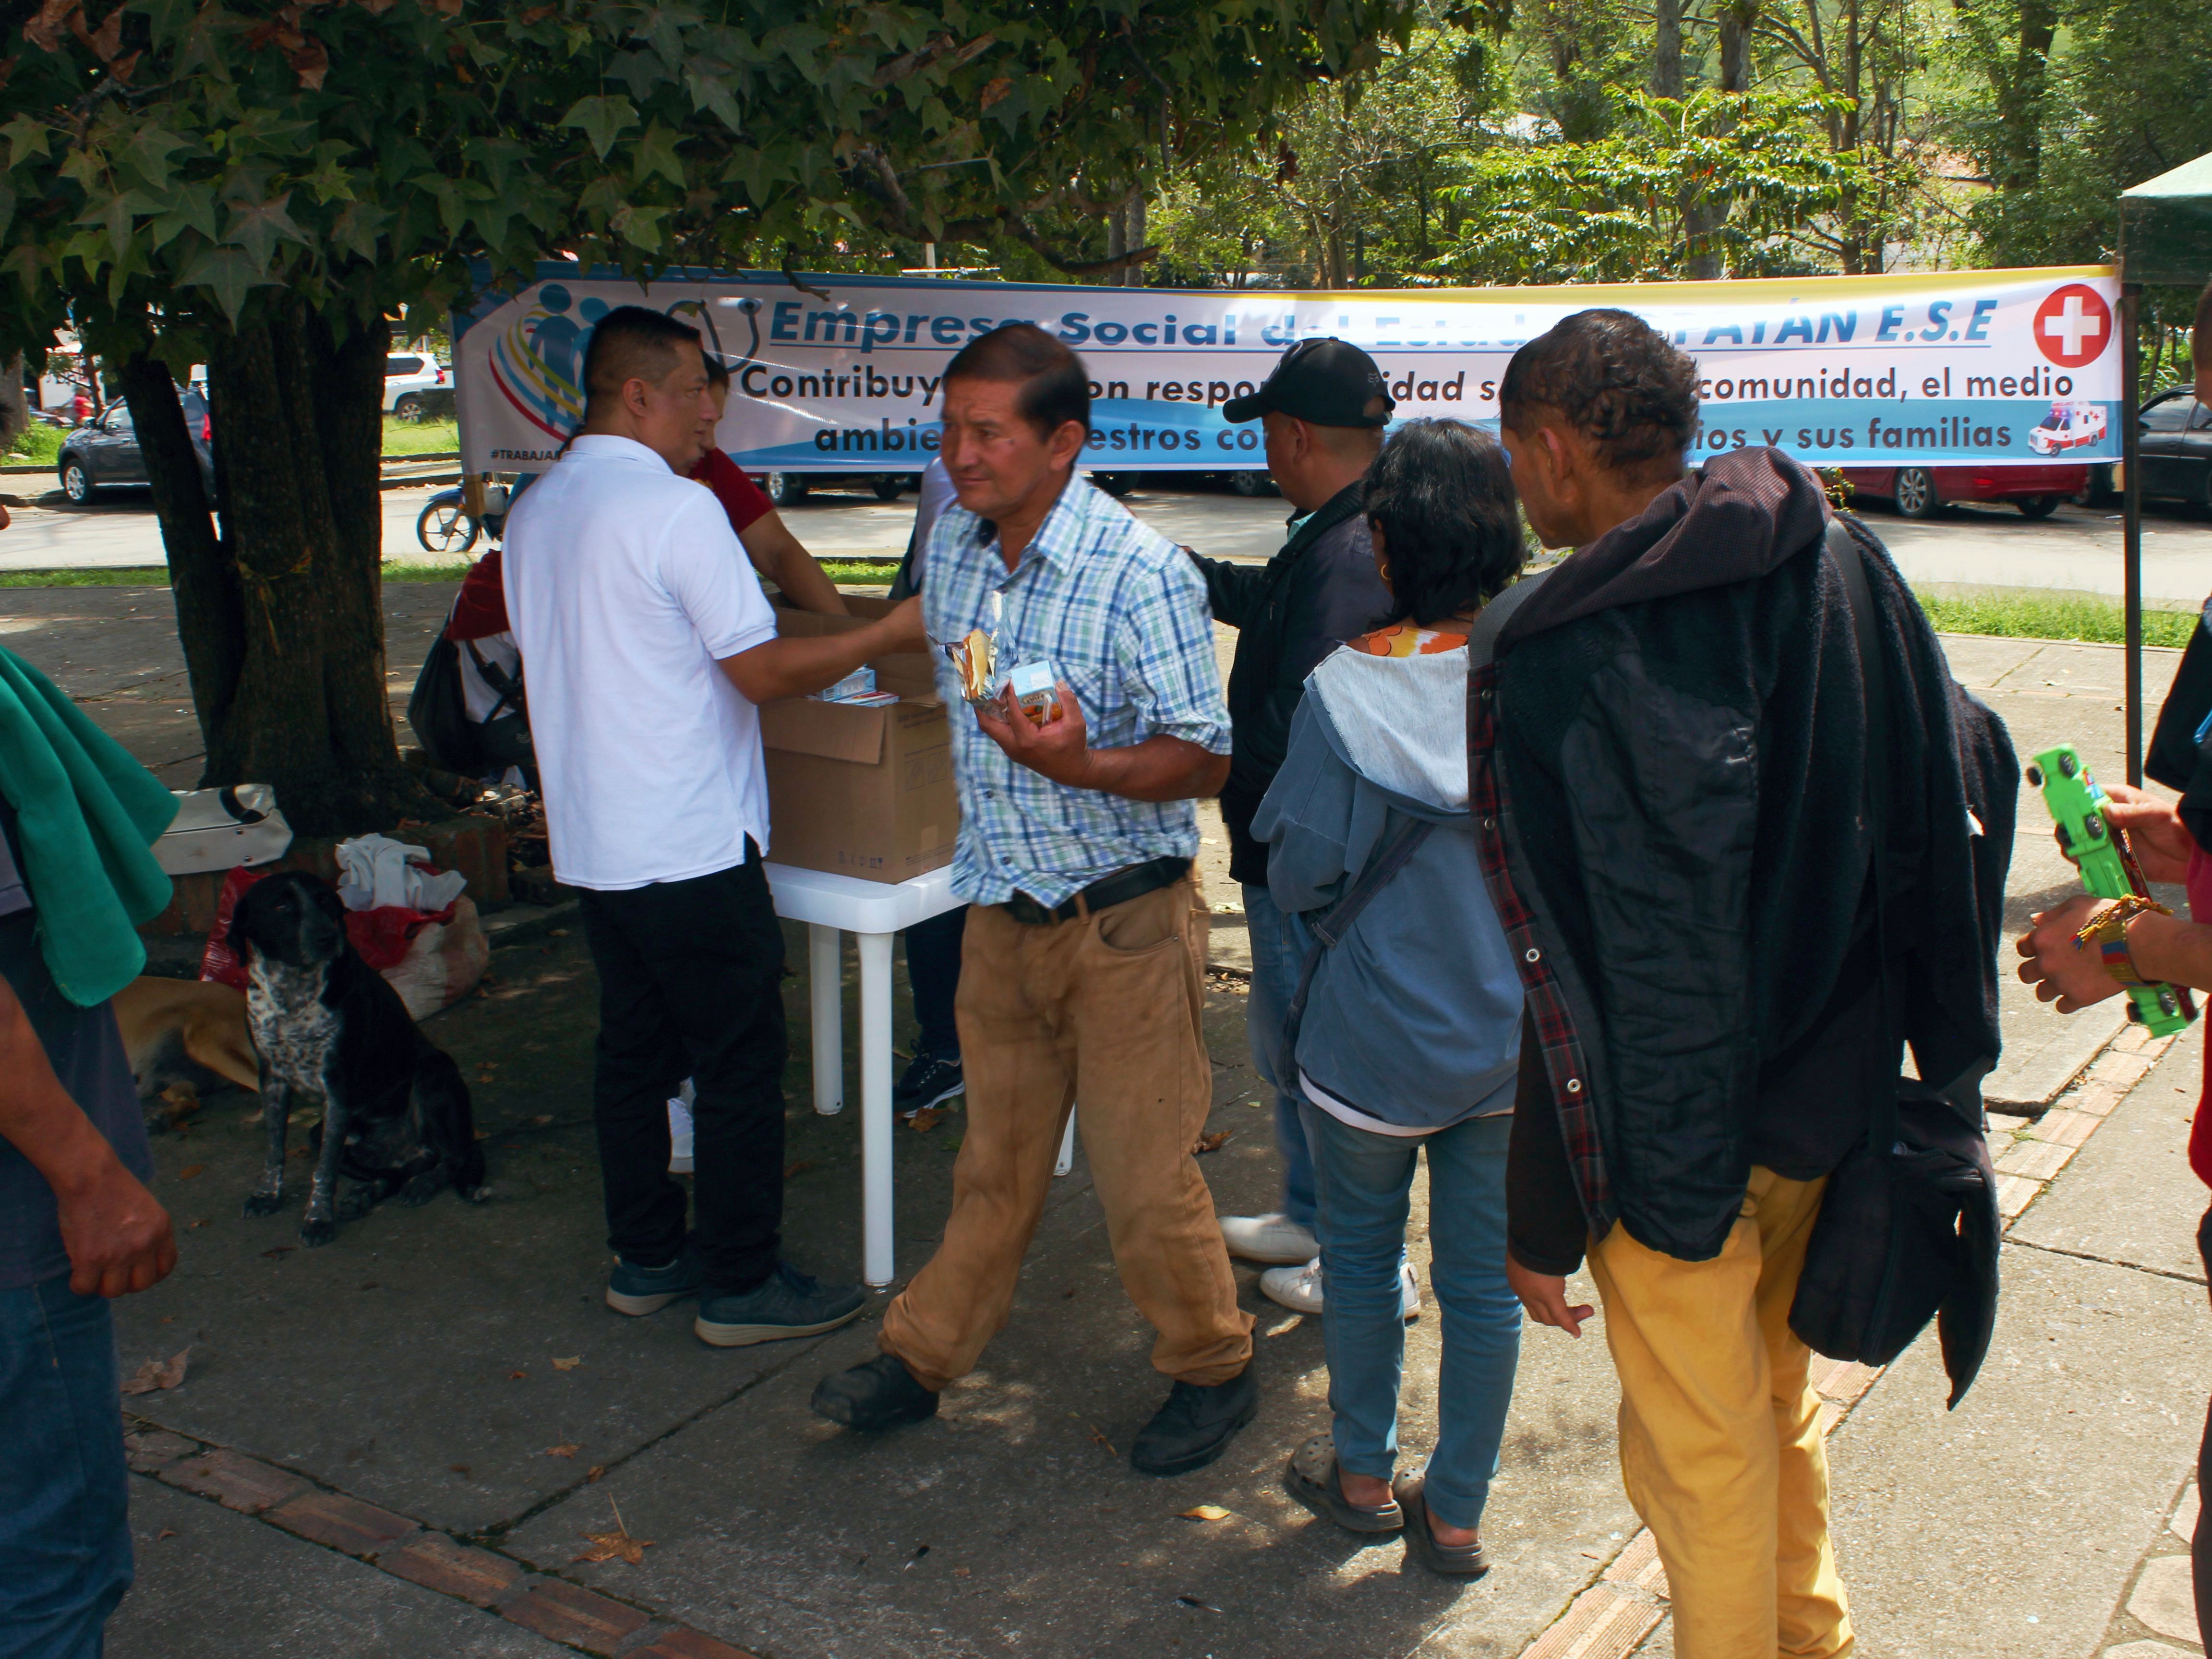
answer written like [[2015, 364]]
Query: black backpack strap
[[1490, 621], [509, 686], [1873, 789]]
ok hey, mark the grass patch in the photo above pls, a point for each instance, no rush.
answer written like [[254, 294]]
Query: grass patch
[[41, 445], [861, 572], [420, 437], [154, 575], [2061, 617]]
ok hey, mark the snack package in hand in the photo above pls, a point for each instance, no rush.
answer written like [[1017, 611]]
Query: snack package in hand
[[975, 657], [1035, 689]]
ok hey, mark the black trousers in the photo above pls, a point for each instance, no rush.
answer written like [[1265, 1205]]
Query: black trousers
[[933, 969], [690, 975]]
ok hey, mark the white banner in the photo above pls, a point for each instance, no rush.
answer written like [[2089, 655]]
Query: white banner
[[1978, 367]]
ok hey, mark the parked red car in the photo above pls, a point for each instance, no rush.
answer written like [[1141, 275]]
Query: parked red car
[[1917, 491]]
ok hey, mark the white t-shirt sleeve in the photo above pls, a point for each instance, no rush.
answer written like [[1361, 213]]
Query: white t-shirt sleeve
[[710, 577]]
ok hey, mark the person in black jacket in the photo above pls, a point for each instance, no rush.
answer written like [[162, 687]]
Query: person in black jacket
[[1670, 756], [1322, 411]]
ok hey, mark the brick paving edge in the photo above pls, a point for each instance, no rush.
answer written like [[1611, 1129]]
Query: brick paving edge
[[577, 1616]]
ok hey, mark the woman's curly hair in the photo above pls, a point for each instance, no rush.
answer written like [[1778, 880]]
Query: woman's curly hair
[[1442, 493]]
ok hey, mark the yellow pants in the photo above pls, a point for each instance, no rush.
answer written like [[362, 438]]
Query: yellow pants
[[1720, 1432]]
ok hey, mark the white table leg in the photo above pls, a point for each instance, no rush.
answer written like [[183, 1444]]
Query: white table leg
[[825, 974], [1066, 1161], [876, 1108]]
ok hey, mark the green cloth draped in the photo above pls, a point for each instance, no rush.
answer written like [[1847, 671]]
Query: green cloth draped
[[86, 814]]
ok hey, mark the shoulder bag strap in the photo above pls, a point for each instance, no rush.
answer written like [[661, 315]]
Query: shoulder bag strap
[[1873, 789], [1333, 924]]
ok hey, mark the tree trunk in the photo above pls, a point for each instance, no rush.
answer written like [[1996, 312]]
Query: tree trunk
[[282, 619], [1700, 223], [1134, 276], [1667, 50], [2019, 99]]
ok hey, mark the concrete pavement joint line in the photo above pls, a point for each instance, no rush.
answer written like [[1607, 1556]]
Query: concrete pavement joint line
[[545, 1604], [2107, 1261], [2160, 1601]]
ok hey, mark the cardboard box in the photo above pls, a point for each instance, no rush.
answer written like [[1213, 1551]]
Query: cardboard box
[[861, 791]]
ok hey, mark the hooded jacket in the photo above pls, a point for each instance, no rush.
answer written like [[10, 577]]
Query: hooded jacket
[[1669, 755], [1414, 1017], [1320, 590]]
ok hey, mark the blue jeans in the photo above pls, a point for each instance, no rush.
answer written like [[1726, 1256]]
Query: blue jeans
[[1276, 961], [1364, 1180], [64, 1536]]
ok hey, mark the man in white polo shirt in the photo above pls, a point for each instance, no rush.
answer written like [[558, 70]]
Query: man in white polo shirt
[[651, 646]]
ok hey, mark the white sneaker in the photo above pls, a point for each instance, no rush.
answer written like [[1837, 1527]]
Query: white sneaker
[[1273, 1237], [1299, 1288], [679, 1132]]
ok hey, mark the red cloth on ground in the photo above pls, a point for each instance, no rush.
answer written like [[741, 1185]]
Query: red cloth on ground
[[741, 498], [2200, 1127], [381, 935], [480, 610]]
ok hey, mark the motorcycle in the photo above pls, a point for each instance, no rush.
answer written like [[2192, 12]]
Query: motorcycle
[[446, 524]]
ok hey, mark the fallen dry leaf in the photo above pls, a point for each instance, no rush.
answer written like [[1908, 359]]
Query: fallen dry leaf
[[190, 1170], [202, 1222], [1206, 1512], [606, 1546], [1212, 1143], [157, 1374], [566, 1449], [517, 1377], [542, 1119], [166, 1532], [282, 1249], [959, 1572], [594, 1472], [567, 1365], [926, 1119]]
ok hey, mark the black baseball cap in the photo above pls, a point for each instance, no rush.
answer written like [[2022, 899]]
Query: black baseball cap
[[1329, 381]]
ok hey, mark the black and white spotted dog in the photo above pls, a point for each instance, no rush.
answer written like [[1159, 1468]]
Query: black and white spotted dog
[[396, 1115]]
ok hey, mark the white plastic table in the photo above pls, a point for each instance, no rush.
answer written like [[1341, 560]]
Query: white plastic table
[[874, 910]]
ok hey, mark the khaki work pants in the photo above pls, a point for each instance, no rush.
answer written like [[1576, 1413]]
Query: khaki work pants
[[1720, 1432], [1105, 1009]]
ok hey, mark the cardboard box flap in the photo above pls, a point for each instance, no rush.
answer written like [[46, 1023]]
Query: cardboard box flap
[[833, 731]]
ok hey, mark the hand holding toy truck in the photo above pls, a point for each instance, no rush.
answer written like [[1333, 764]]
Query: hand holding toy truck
[[2108, 871]]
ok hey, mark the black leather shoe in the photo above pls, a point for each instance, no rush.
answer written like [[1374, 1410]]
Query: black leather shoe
[[880, 1395], [1196, 1424]]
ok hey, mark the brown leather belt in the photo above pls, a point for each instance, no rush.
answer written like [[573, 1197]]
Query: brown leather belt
[[1119, 888]]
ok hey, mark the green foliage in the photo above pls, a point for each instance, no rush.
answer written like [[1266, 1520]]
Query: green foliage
[[1736, 177], [357, 153], [36, 445]]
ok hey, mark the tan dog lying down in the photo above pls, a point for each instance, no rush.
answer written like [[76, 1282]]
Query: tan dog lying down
[[177, 1031]]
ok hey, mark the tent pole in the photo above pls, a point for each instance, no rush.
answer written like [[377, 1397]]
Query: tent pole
[[2131, 510]]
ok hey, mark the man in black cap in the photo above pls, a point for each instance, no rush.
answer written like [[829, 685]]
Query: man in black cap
[[1323, 410]]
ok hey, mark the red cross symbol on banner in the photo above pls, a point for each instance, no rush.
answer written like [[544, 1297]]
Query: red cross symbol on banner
[[2073, 324]]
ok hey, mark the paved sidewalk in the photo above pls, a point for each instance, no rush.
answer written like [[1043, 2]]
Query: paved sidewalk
[[403, 1443]]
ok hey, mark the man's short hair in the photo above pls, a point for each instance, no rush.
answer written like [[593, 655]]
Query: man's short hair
[[631, 343], [718, 373], [1055, 386], [1442, 493], [1617, 380]]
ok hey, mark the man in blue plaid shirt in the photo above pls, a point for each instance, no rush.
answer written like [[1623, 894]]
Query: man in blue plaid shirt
[[1082, 972]]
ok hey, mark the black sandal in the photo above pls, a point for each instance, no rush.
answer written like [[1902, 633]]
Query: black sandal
[[1313, 1478], [1451, 1560]]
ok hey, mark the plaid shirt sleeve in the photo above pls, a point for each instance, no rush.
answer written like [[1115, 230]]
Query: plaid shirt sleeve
[[1164, 642]]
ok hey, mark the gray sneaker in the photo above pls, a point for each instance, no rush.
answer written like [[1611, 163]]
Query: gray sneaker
[[787, 1304], [638, 1291]]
